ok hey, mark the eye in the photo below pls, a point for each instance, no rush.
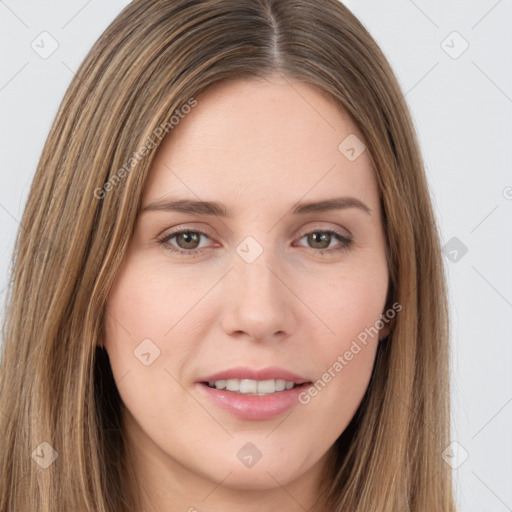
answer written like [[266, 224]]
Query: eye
[[321, 239], [188, 241], [185, 238]]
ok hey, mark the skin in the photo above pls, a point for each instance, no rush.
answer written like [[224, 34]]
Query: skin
[[258, 146]]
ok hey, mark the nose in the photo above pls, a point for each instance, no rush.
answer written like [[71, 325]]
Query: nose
[[259, 304]]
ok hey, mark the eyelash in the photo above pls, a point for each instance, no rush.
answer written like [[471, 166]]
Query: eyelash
[[164, 241]]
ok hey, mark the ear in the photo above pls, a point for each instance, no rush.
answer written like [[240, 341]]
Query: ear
[[100, 339], [384, 332]]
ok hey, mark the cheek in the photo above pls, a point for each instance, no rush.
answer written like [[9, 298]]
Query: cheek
[[138, 315], [351, 307], [352, 303], [142, 311], [346, 361], [148, 301]]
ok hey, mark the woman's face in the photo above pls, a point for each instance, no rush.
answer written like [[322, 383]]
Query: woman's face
[[273, 293]]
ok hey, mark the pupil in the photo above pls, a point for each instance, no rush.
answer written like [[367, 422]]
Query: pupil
[[188, 238], [325, 237]]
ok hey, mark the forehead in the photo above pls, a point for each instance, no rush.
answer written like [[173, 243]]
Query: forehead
[[272, 139]]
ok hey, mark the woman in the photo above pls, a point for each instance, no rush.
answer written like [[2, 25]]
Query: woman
[[228, 289]]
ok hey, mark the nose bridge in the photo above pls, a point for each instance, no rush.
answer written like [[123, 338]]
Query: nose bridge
[[255, 273], [260, 300]]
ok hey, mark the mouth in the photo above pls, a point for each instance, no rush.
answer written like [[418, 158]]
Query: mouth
[[254, 400], [254, 387], [253, 394]]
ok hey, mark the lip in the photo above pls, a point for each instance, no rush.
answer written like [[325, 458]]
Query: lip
[[244, 372], [253, 407]]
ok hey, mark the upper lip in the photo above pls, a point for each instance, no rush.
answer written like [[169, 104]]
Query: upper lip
[[243, 372]]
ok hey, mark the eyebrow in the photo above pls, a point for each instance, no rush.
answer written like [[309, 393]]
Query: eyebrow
[[221, 210]]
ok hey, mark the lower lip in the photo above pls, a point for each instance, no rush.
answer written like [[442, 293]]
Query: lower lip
[[253, 407]]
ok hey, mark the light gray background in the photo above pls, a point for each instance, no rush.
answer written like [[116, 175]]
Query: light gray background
[[462, 107]]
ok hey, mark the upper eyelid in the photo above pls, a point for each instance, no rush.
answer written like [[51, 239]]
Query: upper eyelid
[[302, 234]]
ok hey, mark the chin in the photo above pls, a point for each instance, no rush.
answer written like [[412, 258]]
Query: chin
[[254, 479]]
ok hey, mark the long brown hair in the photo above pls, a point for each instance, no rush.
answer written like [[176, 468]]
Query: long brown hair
[[56, 385]]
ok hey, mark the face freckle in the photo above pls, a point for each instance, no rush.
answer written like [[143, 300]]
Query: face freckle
[[263, 292]]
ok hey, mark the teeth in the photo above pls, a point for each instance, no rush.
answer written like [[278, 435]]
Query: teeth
[[247, 386], [252, 387]]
